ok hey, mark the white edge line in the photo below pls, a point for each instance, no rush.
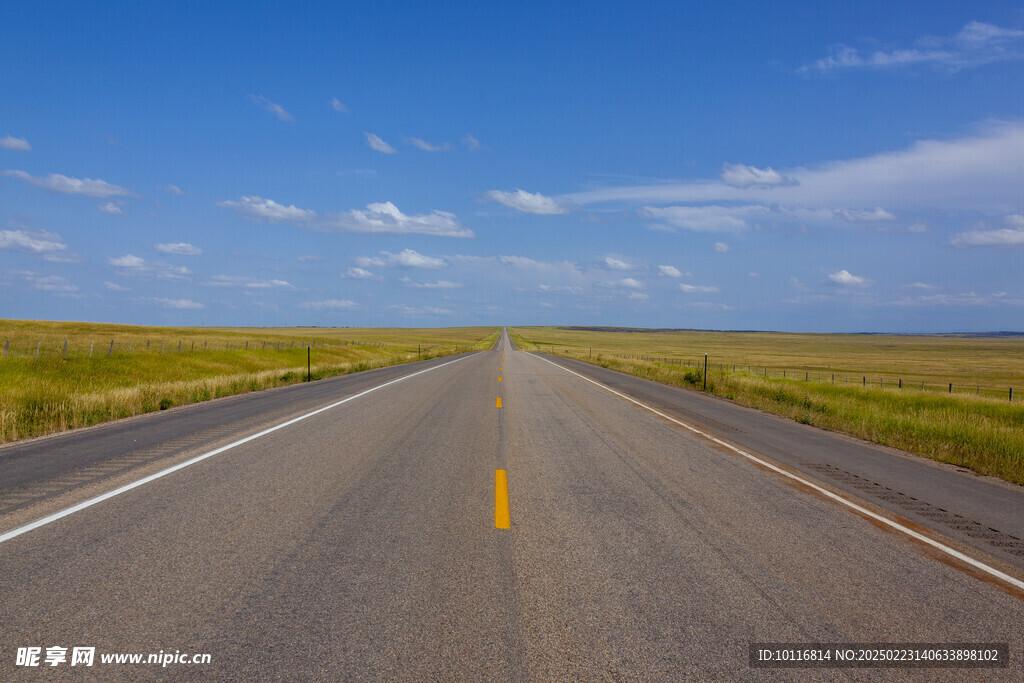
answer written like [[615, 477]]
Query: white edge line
[[145, 480], [1016, 583]]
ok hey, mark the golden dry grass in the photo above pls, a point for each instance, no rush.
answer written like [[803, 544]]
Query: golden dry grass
[[63, 390], [984, 433]]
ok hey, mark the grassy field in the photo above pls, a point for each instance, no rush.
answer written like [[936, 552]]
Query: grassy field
[[57, 375], [976, 426]]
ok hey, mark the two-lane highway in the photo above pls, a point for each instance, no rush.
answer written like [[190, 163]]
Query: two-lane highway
[[366, 541]]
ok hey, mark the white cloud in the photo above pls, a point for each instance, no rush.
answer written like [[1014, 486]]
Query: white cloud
[[560, 289], [976, 44], [309, 258], [722, 248], [918, 227], [376, 143], [421, 310], [179, 248], [247, 282], [53, 283], [471, 143], [845, 278], [385, 217], [564, 268], [407, 258], [439, 284], [113, 287], [669, 271], [271, 107], [520, 261], [62, 184], [972, 299], [180, 304], [615, 263], [127, 261], [358, 273], [1006, 237], [979, 172], [638, 296], [697, 289], [705, 218], [259, 209], [172, 189], [426, 146], [631, 283], [878, 214], [43, 244], [330, 304], [15, 144], [111, 208], [160, 270], [337, 105], [526, 202], [741, 175], [919, 285]]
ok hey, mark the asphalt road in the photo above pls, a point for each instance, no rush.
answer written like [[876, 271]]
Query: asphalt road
[[360, 542]]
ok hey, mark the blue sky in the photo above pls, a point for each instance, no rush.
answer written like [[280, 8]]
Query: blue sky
[[796, 166]]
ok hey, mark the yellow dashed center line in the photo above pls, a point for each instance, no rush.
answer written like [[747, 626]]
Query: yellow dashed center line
[[498, 404], [501, 520]]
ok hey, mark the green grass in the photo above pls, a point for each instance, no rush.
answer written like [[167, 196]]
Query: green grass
[[66, 389], [984, 433]]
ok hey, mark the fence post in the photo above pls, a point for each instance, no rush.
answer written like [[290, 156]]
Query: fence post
[[147, 345], [90, 347], [40, 343], [179, 346], [129, 346], [163, 345], [705, 371], [1011, 394], [951, 387], [901, 383], [7, 347], [111, 349], [64, 353]]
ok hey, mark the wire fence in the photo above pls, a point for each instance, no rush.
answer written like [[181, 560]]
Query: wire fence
[[874, 381], [65, 348]]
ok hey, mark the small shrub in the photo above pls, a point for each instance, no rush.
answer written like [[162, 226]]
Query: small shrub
[[165, 403]]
